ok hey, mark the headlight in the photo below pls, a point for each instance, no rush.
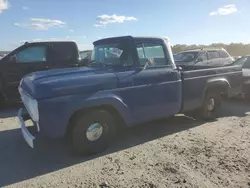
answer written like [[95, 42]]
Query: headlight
[[30, 104]]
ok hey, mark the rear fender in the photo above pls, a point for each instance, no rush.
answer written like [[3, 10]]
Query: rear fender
[[221, 84]]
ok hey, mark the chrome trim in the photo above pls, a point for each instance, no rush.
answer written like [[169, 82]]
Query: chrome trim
[[214, 75], [28, 137], [94, 132]]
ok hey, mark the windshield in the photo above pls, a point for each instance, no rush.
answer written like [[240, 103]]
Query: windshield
[[109, 54], [185, 56]]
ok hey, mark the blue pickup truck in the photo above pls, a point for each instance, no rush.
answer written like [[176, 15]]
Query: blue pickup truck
[[129, 80]]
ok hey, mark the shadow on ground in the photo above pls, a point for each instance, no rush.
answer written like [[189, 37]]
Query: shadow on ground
[[235, 107], [18, 162]]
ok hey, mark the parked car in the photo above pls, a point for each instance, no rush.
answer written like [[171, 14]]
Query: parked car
[[204, 57], [32, 57], [130, 80], [244, 62], [236, 57], [86, 54]]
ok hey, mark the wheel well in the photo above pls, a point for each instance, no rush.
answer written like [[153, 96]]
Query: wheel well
[[218, 87], [120, 121]]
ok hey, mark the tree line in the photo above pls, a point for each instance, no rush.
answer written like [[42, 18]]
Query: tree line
[[234, 49]]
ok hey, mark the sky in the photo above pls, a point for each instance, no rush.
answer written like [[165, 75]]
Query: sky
[[85, 21]]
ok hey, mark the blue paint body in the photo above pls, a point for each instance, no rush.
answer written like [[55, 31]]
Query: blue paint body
[[138, 95]]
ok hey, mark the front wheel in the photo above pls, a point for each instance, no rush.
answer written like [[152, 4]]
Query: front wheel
[[92, 132]]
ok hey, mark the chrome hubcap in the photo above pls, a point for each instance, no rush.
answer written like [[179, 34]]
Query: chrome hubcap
[[211, 104], [94, 132]]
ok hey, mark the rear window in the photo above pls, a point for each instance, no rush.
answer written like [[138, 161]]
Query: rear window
[[62, 51], [223, 54], [213, 55]]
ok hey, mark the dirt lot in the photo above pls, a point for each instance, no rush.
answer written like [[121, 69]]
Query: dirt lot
[[180, 152]]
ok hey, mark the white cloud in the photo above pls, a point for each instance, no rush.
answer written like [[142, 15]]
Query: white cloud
[[41, 24], [104, 19], [4, 5], [25, 8], [100, 25], [225, 10], [71, 30]]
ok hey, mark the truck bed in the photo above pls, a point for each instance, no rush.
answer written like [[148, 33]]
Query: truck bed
[[197, 78]]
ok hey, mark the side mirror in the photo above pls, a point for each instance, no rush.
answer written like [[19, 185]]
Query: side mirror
[[13, 59], [149, 61]]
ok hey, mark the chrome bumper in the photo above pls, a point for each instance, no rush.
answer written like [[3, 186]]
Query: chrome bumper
[[28, 137]]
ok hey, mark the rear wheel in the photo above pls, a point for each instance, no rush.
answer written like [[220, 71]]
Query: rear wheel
[[92, 132], [210, 106], [1, 95], [246, 92]]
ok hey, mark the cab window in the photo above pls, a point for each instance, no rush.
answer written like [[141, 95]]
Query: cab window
[[154, 52], [31, 54], [112, 55]]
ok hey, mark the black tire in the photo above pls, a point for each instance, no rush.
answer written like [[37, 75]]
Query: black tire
[[203, 112], [81, 144], [207, 113], [246, 91]]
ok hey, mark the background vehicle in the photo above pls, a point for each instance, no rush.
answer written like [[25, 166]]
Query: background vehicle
[[86, 54], [130, 80], [236, 57], [204, 57], [32, 57], [244, 62]]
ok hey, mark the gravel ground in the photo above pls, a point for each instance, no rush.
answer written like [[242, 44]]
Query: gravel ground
[[179, 152]]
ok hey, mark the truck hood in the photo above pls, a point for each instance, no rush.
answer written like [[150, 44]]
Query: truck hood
[[70, 81]]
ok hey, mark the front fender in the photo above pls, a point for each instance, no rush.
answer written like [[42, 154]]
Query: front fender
[[55, 113], [110, 99]]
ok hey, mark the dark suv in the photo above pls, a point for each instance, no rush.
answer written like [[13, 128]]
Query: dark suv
[[204, 57], [32, 57]]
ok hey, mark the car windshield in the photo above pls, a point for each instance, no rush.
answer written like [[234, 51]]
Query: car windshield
[[108, 54], [185, 56], [84, 54]]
